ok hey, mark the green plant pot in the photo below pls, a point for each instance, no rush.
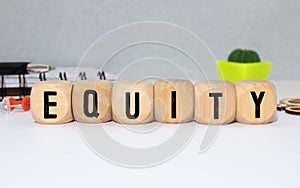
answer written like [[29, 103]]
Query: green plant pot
[[233, 72]]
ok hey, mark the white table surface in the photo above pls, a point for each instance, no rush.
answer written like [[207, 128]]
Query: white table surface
[[35, 156]]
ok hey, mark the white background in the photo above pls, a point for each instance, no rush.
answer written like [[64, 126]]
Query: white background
[[35, 156]]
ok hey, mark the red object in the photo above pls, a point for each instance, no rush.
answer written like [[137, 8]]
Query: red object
[[25, 103]]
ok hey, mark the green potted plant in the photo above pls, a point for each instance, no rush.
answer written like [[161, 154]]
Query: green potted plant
[[243, 65]]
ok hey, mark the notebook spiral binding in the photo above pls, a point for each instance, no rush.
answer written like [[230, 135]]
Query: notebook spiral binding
[[82, 76], [101, 75], [42, 76], [63, 76], [16, 82]]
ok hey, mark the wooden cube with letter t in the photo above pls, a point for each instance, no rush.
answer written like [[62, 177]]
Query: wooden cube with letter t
[[91, 101], [174, 101], [132, 101], [256, 102], [215, 102], [51, 102]]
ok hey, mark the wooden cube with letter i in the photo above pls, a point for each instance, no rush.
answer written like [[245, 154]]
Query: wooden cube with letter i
[[173, 101], [256, 102], [51, 102]]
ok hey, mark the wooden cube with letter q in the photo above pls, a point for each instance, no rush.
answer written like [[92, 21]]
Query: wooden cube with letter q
[[91, 101], [51, 102], [256, 102]]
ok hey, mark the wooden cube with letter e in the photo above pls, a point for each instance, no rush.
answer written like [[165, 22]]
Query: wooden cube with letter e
[[51, 102]]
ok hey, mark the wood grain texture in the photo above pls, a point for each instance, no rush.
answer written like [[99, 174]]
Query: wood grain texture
[[85, 105], [247, 111], [143, 111], [59, 95], [184, 110], [215, 109]]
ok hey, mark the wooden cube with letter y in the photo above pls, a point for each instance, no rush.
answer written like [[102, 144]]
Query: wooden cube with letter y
[[91, 101], [51, 102], [256, 102], [132, 101]]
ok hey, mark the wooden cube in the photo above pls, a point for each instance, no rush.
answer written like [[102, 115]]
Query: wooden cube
[[51, 102], [173, 101], [91, 101], [132, 102], [256, 102], [215, 102]]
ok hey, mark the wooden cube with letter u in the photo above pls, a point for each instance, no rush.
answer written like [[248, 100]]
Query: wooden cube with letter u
[[91, 101], [132, 101], [174, 101], [51, 102], [256, 102]]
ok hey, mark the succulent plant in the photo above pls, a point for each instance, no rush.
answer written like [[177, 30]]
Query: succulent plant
[[243, 56]]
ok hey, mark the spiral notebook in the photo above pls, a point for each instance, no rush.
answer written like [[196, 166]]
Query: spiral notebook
[[16, 80]]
